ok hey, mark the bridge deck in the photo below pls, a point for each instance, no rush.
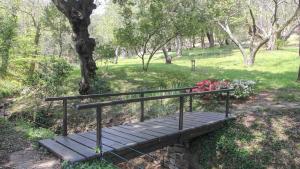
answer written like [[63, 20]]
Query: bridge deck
[[124, 140]]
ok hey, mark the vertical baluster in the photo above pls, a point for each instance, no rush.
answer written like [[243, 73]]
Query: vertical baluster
[[181, 100], [142, 108], [65, 117], [227, 104], [191, 101], [99, 129]]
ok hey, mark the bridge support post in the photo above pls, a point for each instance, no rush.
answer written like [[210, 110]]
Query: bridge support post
[[65, 117], [142, 108], [181, 100], [227, 105], [99, 129], [191, 101]]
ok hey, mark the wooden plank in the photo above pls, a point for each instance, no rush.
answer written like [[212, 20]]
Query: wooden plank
[[87, 142], [117, 139], [151, 130], [162, 125], [105, 141], [134, 133], [74, 146], [170, 124], [142, 130], [61, 151], [124, 135], [204, 114], [174, 124], [154, 128], [207, 116]]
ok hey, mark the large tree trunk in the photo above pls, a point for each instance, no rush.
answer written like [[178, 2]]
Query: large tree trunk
[[178, 46], [211, 39], [168, 58], [78, 13]]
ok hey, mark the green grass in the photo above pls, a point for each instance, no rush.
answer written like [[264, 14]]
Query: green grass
[[94, 164], [31, 132], [272, 70]]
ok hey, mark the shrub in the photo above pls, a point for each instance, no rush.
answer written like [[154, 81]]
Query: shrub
[[243, 88], [49, 77]]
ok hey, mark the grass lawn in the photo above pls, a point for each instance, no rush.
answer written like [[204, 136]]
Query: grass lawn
[[272, 69]]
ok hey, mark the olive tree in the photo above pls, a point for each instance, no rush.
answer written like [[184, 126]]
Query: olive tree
[[78, 13]]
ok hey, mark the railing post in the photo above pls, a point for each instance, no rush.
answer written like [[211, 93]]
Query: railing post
[[99, 129], [65, 117], [142, 108], [181, 100], [227, 105], [191, 101]]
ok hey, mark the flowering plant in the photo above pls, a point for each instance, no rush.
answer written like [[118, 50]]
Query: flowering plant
[[243, 88]]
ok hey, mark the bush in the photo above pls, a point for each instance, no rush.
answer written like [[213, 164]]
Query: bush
[[49, 77], [243, 88]]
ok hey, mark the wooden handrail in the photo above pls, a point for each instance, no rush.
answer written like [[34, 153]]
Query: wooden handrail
[[116, 102], [141, 93], [114, 94], [99, 108]]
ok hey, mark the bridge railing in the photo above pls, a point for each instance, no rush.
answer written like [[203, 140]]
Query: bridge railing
[[99, 107], [141, 94]]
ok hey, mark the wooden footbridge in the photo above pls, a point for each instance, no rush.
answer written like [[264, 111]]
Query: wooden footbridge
[[124, 142]]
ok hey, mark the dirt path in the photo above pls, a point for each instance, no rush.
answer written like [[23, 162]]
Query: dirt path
[[16, 152]]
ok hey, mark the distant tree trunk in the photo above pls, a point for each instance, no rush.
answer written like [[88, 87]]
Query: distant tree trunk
[[272, 43], [116, 55], [202, 42], [298, 79], [194, 41], [78, 13], [227, 41], [60, 43], [36, 50], [5, 58], [178, 46], [168, 58], [211, 40]]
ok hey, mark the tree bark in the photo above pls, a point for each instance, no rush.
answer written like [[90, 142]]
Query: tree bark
[[168, 58], [5, 61], [298, 79], [203, 42], [178, 46], [78, 13], [117, 55], [194, 41], [36, 50], [227, 42], [211, 40]]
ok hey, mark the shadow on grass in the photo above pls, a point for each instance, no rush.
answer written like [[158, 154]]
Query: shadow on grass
[[167, 76], [257, 140]]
